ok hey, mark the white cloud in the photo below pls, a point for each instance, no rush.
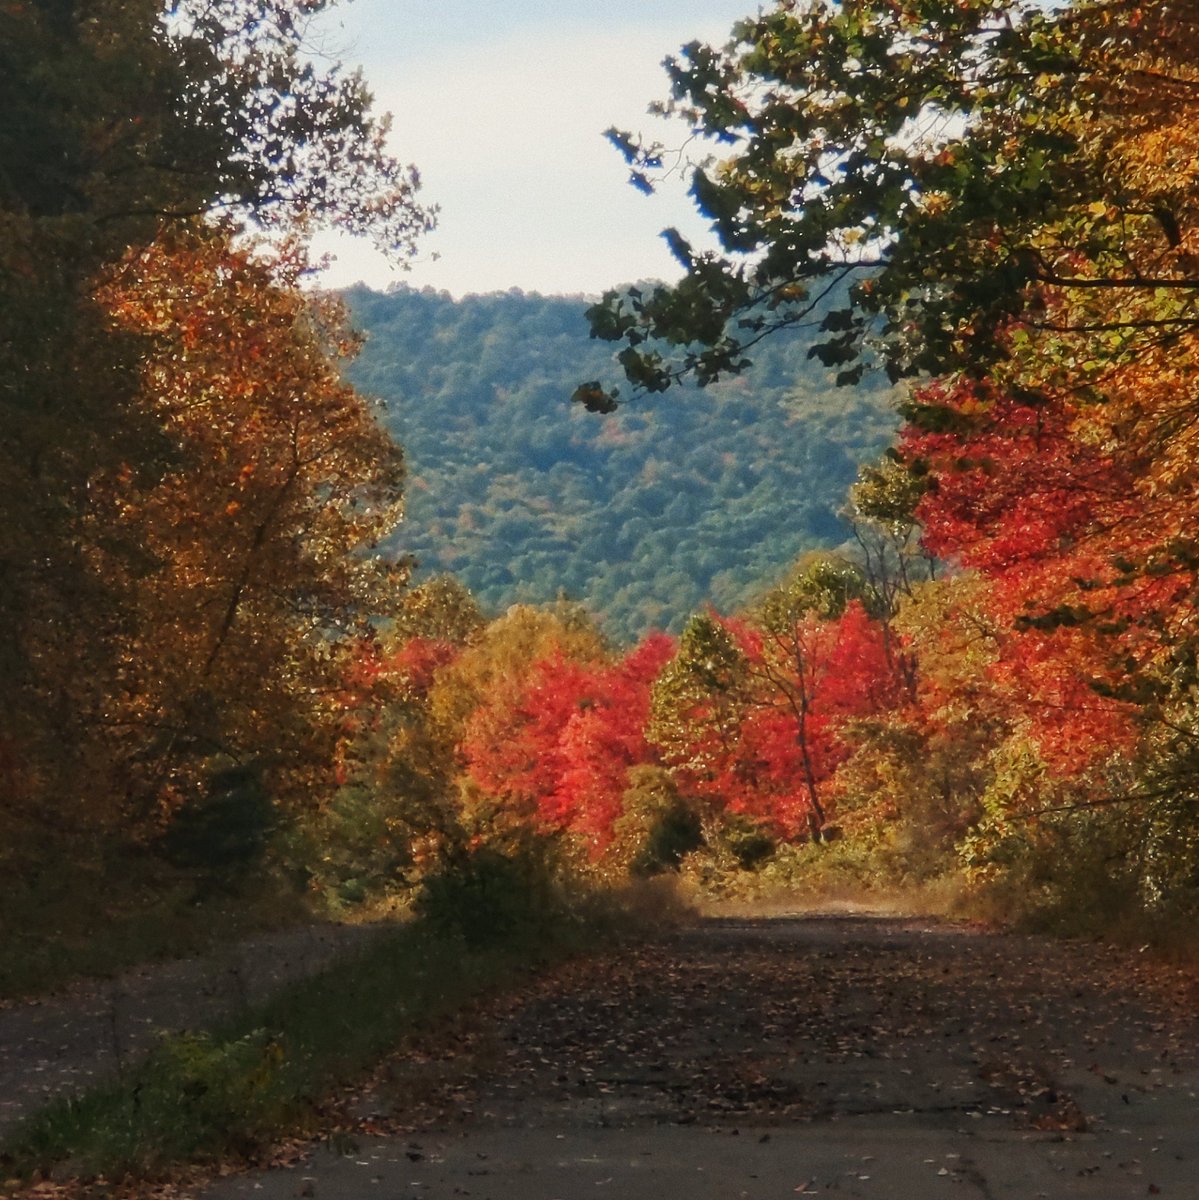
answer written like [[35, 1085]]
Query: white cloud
[[508, 137]]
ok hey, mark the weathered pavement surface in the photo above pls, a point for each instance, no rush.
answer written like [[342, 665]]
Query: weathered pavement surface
[[889, 1058], [65, 1043]]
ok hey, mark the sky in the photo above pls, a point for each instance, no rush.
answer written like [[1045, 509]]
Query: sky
[[502, 105]]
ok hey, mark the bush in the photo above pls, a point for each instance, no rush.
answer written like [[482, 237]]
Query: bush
[[225, 832], [488, 895], [357, 849], [749, 842], [657, 827]]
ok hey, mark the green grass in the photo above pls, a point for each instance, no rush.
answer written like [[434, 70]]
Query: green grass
[[214, 1096]]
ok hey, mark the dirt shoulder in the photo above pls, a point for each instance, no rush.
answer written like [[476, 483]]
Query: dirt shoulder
[[64, 1043], [872, 1056]]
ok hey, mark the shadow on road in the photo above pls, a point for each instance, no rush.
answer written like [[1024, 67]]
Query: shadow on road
[[847, 1053]]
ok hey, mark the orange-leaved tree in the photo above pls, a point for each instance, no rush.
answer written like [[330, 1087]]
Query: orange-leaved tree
[[134, 131], [255, 575]]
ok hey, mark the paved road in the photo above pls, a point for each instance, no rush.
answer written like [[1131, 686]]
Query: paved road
[[884, 1058]]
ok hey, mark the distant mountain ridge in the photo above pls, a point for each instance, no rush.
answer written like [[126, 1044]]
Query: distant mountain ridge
[[645, 515]]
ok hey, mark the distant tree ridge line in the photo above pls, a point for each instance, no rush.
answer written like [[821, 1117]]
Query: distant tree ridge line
[[645, 515]]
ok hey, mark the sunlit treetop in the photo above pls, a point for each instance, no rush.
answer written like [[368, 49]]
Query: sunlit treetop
[[123, 111], [951, 167]]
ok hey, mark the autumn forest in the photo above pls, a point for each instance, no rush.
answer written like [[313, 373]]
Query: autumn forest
[[860, 560]]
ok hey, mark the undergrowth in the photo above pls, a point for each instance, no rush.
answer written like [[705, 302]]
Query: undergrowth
[[94, 915], [227, 1094]]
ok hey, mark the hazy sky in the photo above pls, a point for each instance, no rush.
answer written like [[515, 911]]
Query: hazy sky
[[502, 105]]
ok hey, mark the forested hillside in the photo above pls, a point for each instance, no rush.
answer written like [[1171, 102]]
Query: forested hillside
[[645, 514]]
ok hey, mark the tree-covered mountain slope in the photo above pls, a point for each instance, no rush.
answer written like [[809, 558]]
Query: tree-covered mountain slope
[[646, 514]]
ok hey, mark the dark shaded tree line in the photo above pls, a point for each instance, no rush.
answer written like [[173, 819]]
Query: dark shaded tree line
[[189, 485]]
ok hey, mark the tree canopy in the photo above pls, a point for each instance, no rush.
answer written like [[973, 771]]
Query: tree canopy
[[962, 166], [646, 517], [189, 484]]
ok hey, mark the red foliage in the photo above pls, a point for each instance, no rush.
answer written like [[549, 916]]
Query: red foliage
[[1014, 485], [410, 667], [377, 680], [800, 689], [418, 660], [602, 740], [859, 679], [842, 672], [512, 752], [562, 752], [1029, 496]]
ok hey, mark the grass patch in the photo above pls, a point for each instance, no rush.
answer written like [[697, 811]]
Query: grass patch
[[207, 1097]]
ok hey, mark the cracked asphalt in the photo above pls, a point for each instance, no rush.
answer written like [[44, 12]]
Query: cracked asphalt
[[848, 1055]]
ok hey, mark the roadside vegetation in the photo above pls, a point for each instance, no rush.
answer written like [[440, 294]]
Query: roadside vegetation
[[226, 703], [284, 1069]]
